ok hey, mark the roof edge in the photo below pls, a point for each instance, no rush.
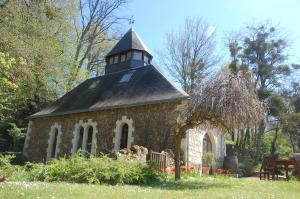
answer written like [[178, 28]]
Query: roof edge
[[109, 107]]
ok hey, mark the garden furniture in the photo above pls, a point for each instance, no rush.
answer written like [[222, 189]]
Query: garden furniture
[[296, 172], [286, 164], [268, 167]]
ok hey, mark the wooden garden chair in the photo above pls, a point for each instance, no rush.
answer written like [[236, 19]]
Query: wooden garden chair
[[268, 167]]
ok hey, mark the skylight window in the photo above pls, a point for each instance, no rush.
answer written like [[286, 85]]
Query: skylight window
[[126, 77], [94, 84]]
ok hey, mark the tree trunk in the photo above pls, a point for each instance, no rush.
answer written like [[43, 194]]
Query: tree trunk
[[261, 130], [273, 144], [292, 142], [177, 157]]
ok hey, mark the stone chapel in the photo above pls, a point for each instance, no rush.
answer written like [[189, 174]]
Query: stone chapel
[[132, 103]]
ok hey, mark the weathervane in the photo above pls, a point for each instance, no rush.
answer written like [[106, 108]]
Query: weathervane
[[131, 21]]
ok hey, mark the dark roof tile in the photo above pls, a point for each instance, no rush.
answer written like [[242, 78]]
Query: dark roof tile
[[130, 41], [146, 86]]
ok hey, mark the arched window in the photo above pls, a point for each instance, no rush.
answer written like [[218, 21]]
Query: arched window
[[85, 137], [55, 136], [90, 139], [207, 146], [80, 138], [124, 136], [54, 143]]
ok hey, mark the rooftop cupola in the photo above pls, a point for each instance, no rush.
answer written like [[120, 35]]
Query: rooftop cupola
[[129, 52]]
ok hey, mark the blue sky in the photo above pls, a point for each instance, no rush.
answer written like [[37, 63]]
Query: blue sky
[[153, 18]]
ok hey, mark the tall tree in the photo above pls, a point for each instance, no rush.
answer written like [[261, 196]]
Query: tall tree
[[31, 53], [96, 20], [262, 49], [189, 53]]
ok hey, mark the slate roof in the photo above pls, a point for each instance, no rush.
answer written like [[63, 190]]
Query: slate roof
[[130, 41], [147, 85]]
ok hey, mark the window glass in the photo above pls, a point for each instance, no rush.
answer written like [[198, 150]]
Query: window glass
[[126, 77], [80, 138], [124, 136], [123, 57], [146, 59], [116, 59], [128, 56], [90, 139], [94, 84], [54, 144], [111, 61], [207, 146], [137, 55]]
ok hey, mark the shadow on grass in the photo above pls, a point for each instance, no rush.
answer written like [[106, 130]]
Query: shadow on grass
[[185, 185]]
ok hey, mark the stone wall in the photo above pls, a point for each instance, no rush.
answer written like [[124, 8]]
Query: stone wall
[[153, 127], [192, 145]]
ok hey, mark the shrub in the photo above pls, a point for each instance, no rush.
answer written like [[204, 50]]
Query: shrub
[[94, 170], [6, 169]]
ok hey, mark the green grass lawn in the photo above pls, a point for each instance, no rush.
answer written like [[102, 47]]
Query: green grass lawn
[[190, 187]]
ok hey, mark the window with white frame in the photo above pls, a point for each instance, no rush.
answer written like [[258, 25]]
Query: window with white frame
[[80, 139], [89, 140], [84, 137], [54, 141], [123, 134]]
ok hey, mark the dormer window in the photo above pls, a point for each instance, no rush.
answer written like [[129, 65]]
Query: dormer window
[[137, 55], [116, 59]]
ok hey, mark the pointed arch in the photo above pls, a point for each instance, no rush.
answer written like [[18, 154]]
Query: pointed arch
[[123, 125], [89, 137], [54, 141]]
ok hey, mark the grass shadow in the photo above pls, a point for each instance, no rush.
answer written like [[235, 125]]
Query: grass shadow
[[190, 185]]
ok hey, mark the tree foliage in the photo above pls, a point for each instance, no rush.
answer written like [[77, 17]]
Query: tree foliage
[[261, 48], [39, 41]]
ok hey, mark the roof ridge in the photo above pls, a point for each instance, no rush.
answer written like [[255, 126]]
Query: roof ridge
[[171, 82], [130, 41]]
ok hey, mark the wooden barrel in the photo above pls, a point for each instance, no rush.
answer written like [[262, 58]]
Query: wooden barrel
[[231, 163]]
